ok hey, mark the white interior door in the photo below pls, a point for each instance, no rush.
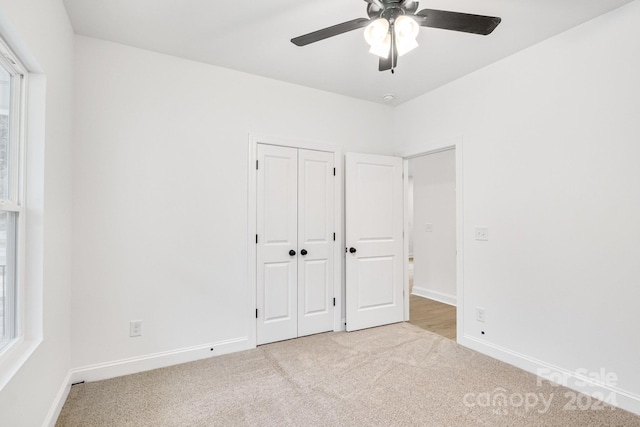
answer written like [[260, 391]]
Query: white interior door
[[277, 242], [315, 241], [374, 221]]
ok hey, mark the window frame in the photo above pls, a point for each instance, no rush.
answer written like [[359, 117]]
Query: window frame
[[14, 203]]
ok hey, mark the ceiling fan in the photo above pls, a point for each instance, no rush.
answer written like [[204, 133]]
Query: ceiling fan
[[393, 25]]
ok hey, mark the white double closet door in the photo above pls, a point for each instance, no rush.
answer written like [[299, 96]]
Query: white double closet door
[[295, 242]]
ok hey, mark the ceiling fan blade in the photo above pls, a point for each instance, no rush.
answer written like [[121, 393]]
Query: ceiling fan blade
[[325, 33], [456, 21]]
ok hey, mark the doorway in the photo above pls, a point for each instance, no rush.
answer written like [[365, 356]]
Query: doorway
[[432, 243]]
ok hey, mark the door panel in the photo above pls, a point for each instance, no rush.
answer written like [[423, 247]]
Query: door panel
[[375, 191], [374, 221], [316, 277], [277, 212], [277, 292], [373, 275], [315, 236], [279, 207]]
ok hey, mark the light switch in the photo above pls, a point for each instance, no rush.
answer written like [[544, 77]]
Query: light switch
[[482, 233], [429, 228]]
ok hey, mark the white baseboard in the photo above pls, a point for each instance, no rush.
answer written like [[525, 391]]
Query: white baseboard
[[134, 365], [434, 295], [58, 402], [574, 380]]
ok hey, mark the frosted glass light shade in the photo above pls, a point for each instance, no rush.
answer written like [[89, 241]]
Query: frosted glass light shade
[[383, 48], [406, 30], [405, 45], [376, 32], [406, 27]]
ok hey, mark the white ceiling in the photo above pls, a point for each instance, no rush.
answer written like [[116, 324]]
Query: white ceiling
[[254, 37]]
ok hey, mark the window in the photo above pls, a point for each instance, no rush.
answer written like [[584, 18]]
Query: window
[[12, 78]]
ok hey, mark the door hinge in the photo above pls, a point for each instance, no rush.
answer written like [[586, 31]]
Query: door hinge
[[334, 237], [256, 165], [256, 313], [334, 171], [334, 302]]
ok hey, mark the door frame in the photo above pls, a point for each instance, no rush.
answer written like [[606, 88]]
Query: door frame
[[420, 150], [338, 270]]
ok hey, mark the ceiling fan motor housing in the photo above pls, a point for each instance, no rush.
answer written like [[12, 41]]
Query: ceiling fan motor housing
[[392, 9]]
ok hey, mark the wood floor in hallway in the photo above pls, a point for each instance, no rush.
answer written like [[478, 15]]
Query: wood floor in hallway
[[433, 316]]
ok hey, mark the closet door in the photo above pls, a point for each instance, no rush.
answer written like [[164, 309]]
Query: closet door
[[315, 241], [277, 246]]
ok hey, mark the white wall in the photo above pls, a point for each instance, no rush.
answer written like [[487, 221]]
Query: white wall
[[160, 192], [40, 28], [434, 203], [551, 167]]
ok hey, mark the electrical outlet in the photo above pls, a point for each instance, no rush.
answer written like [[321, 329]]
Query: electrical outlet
[[135, 328], [480, 317], [482, 233]]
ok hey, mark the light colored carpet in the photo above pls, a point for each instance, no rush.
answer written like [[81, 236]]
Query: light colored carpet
[[389, 376]]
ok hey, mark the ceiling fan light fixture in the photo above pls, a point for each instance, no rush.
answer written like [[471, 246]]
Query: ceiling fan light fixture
[[406, 28], [376, 32], [383, 48], [393, 26], [405, 46]]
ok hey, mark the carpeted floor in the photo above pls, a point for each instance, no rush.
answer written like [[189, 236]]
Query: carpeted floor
[[395, 375]]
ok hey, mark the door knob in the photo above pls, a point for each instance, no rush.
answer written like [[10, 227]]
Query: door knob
[[292, 252], [352, 250], [303, 252]]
